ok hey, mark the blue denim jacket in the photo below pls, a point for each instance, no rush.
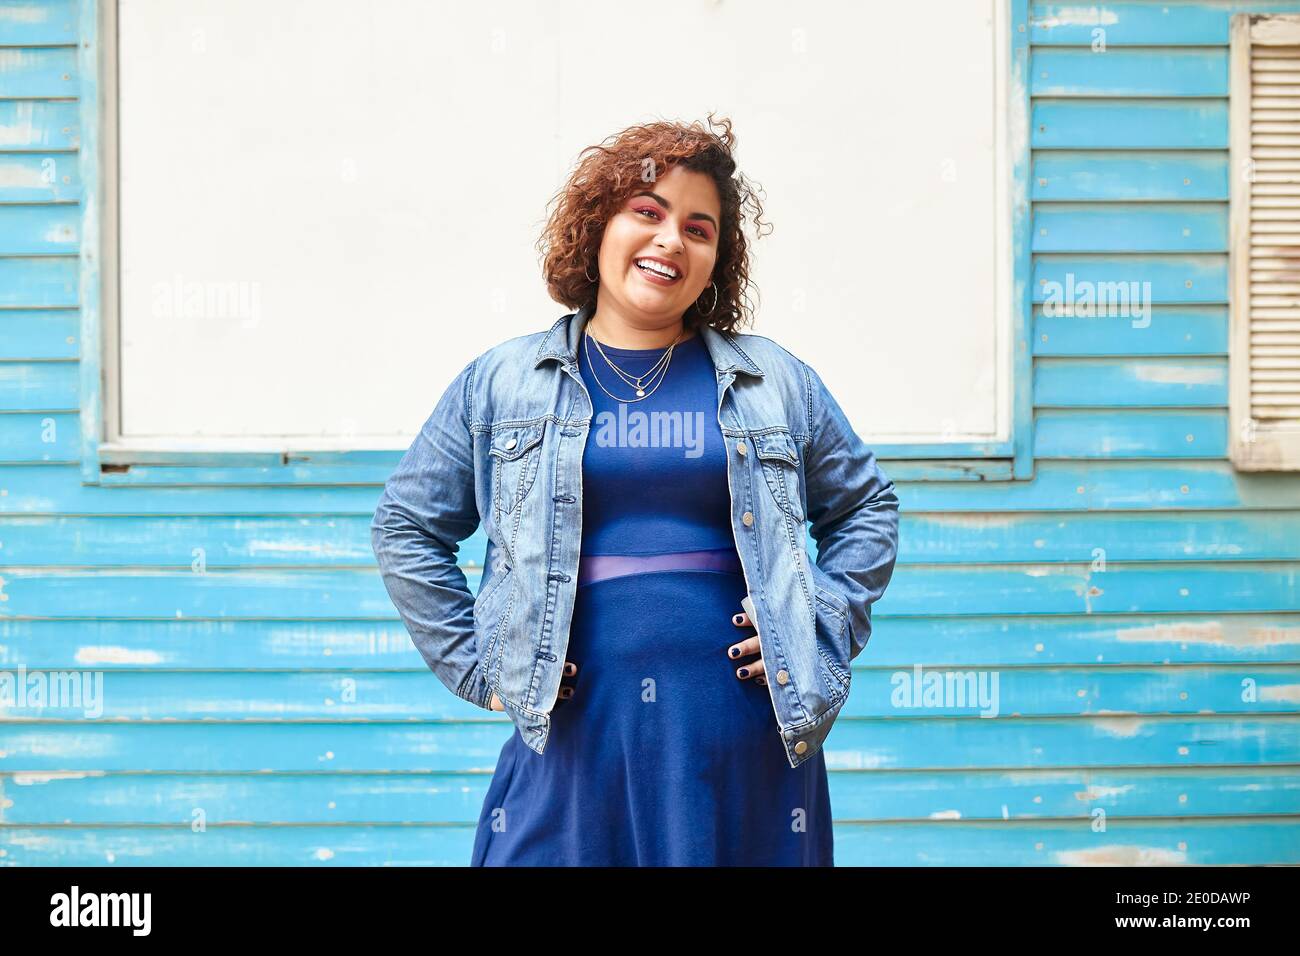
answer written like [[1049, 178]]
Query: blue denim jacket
[[504, 447]]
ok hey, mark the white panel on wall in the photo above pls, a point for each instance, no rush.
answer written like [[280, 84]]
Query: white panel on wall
[[326, 208]]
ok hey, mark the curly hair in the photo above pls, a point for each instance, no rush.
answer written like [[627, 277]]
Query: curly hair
[[606, 174]]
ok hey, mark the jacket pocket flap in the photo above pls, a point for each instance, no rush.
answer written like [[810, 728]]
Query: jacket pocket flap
[[777, 445], [511, 441]]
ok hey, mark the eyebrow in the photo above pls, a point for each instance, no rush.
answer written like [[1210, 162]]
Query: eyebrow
[[667, 205]]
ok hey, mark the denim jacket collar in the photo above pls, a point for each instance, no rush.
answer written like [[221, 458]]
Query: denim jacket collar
[[562, 345]]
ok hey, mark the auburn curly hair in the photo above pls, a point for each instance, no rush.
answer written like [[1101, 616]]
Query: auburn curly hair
[[606, 174]]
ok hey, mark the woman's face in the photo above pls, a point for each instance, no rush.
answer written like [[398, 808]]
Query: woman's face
[[675, 221]]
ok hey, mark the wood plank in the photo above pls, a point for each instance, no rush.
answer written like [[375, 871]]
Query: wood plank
[[1130, 227], [1172, 330], [41, 282], [39, 386], [159, 799], [39, 72], [1013, 639], [344, 540], [309, 594], [1086, 536], [1154, 433], [39, 334], [895, 743], [1129, 124], [40, 230], [1166, 71], [1129, 175], [40, 125], [933, 843], [38, 22], [930, 690], [48, 177], [1127, 285], [1131, 23], [39, 437], [1113, 485], [1135, 383], [1079, 485]]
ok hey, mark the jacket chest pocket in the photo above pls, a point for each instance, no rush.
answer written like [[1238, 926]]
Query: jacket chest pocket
[[778, 457], [515, 453]]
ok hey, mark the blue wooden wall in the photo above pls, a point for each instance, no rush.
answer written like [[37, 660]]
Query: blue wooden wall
[[1137, 599]]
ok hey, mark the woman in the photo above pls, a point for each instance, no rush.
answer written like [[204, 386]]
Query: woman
[[664, 746]]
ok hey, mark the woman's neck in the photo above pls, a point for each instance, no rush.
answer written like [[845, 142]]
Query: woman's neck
[[620, 335]]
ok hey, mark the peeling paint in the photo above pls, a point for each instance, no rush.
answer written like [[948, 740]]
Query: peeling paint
[[1120, 726], [27, 14], [1121, 855], [1178, 375], [116, 655], [16, 174], [26, 778], [1287, 693], [1095, 792], [1234, 634], [1079, 17]]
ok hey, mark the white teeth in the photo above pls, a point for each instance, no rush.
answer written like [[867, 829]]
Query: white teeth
[[657, 267]]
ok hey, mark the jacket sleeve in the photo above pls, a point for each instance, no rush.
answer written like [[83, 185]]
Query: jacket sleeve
[[426, 510], [853, 508]]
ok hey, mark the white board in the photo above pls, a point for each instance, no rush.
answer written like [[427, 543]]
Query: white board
[[326, 209]]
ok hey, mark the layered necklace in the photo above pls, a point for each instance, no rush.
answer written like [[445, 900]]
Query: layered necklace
[[637, 382]]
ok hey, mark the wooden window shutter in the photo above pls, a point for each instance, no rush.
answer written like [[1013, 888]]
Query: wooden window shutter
[[1264, 248]]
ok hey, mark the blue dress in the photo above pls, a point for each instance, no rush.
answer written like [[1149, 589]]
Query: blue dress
[[662, 757]]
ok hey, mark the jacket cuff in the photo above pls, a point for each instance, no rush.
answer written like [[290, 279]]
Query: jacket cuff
[[475, 688]]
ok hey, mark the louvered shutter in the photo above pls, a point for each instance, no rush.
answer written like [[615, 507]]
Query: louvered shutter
[[1264, 346]]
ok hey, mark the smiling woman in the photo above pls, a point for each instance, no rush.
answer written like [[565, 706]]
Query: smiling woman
[[665, 749], [650, 621]]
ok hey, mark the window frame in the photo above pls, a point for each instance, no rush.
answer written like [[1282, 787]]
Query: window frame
[[108, 460]]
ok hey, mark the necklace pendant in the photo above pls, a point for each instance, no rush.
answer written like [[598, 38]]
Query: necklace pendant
[[640, 392]]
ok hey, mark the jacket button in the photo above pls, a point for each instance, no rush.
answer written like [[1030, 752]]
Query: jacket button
[[741, 447], [748, 518], [782, 677], [512, 443], [801, 746]]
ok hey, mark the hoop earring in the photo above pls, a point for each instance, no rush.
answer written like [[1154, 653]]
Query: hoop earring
[[589, 278], [715, 301]]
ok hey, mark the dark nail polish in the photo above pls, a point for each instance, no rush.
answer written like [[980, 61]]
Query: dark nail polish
[[744, 672], [735, 652]]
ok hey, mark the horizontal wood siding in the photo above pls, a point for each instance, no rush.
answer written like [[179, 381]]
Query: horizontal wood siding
[[1137, 601]]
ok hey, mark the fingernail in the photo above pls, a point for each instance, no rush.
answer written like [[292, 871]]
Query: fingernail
[[761, 680], [736, 618], [735, 652], [743, 672]]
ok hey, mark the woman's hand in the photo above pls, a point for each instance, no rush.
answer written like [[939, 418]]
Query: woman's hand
[[744, 648], [566, 690]]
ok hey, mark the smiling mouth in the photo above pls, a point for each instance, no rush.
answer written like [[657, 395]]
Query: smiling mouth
[[656, 272]]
